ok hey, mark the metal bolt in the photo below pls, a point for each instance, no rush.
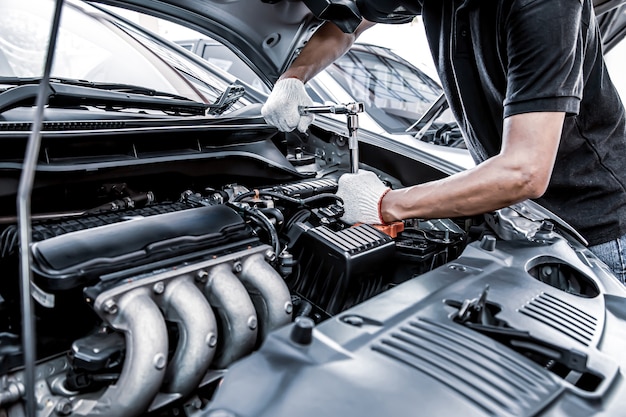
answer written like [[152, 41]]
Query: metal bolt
[[63, 407], [202, 276], [270, 255], [110, 307], [546, 226], [159, 361], [158, 287], [237, 267], [546, 271], [288, 307], [252, 322], [458, 268], [211, 339], [196, 403]]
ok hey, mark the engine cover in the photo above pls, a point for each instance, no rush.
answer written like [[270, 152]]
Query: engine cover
[[76, 259], [534, 347], [338, 269]]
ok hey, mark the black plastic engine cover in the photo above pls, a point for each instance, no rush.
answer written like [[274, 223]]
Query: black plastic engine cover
[[76, 259], [403, 353], [338, 269]]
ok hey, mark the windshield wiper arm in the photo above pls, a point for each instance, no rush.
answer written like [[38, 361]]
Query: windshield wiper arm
[[120, 87], [63, 93], [427, 119]]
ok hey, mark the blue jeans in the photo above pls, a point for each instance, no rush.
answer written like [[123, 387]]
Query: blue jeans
[[613, 253]]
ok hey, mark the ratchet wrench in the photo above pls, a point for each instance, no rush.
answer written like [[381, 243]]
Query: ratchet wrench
[[351, 111]]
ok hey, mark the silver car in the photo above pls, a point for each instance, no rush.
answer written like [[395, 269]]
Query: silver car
[[165, 252]]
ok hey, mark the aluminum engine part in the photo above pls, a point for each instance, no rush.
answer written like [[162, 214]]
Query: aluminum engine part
[[228, 296], [135, 313], [189, 296], [183, 303], [133, 308]]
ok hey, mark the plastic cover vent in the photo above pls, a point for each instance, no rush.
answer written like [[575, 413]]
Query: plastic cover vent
[[492, 378], [354, 240], [561, 316]]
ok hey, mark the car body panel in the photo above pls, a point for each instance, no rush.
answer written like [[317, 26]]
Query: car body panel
[[269, 35]]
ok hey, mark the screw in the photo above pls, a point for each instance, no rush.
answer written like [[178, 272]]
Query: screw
[[159, 287], [63, 407], [237, 267], [270, 255], [211, 339], [252, 322], [159, 361], [202, 276], [110, 307]]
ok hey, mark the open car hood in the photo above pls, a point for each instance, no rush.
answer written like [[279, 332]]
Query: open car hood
[[266, 34]]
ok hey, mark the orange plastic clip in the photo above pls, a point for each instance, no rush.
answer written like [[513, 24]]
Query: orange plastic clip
[[392, 229]]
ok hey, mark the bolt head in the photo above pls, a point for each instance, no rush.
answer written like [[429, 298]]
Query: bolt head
[[110, 307], [202, 276], [252, 323], [158, 287]]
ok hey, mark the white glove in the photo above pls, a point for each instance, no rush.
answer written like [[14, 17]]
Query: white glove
[[281, 108], [361, 194]]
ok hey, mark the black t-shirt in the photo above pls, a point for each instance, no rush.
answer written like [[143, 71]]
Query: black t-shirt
[[498, 58]]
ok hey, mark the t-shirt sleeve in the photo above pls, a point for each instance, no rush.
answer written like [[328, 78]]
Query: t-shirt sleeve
[[544, 44]]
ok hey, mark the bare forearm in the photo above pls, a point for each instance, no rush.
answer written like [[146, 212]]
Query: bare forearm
[[522, 170], [326, 45], [479, 190]]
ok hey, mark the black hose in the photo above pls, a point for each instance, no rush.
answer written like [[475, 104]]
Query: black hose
[[280, 196], [257, 215]]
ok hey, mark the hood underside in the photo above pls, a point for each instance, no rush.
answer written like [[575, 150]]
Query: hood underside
[[268, 34]]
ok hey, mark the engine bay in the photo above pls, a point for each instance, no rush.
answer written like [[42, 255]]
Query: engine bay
[[151, 293], [142, 302]]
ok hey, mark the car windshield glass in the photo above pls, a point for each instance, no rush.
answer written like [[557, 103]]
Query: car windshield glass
[[396, 94], [92, 48]]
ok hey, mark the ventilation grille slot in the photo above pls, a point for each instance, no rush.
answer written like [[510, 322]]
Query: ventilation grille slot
[[561, 316], [354, 240], [495, 381]]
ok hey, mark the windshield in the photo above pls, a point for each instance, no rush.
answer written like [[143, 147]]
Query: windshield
[[94, 47], [395, 93]]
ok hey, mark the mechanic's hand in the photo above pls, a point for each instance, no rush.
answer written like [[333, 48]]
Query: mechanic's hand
[[281, 108], [362, 194]]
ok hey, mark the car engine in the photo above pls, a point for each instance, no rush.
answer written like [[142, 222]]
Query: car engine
[[142, 304], [178, 277]]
